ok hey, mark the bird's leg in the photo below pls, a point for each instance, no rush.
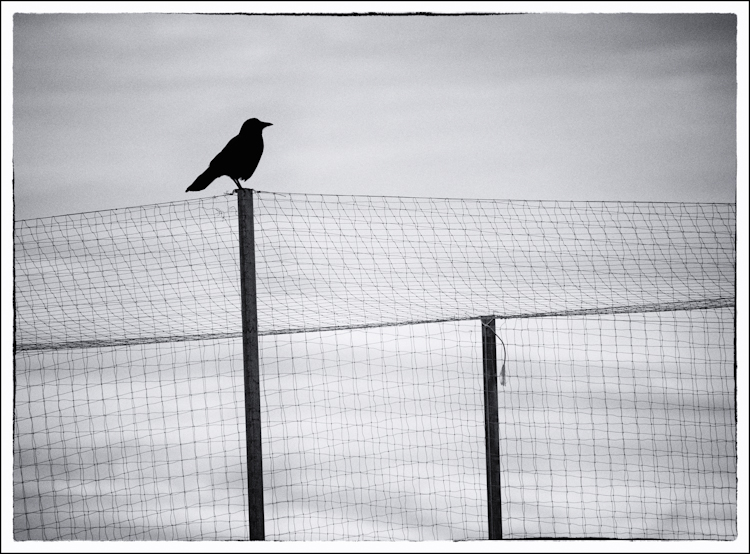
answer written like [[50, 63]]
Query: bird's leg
[[237, 182]]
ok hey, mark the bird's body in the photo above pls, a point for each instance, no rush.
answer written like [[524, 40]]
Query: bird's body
[[239, 158]]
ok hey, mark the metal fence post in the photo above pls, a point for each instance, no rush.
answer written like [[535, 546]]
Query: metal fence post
[[251, 362], [491, 428]]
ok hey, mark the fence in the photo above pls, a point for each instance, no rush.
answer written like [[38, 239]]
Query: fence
[[612, 330]]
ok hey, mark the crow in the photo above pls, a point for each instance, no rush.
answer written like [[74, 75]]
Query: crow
[[239, 158]]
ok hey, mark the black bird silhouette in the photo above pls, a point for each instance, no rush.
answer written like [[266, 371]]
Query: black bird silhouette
[[239, 158]]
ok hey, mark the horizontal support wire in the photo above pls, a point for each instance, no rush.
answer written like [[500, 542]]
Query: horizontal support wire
[[710, 304]]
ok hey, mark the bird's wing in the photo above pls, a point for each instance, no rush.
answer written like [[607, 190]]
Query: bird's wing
[[228, 157], [239, 158]]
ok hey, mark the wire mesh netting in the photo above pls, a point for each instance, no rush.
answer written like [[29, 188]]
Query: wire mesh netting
[[339, 262], [620, 426], [617, 417], [130, 442]]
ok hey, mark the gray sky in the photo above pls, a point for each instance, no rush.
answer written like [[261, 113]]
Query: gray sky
[[121, 110]]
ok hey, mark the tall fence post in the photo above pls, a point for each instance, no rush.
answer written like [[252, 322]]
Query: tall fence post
[[491, 428], [251, 362]]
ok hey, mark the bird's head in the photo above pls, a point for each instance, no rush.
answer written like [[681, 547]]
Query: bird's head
[[253, 125]]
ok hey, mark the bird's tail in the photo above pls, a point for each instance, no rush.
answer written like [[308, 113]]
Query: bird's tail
[[203, 180]]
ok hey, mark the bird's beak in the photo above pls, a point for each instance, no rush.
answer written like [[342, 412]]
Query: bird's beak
[[266, 124]]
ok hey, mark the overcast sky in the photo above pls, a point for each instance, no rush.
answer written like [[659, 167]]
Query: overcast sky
[[127, 109]]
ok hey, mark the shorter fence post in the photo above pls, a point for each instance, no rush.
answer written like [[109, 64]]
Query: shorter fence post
[[491, 428], [251, 363]]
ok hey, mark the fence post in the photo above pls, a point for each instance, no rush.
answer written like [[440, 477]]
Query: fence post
[[251, 363], [491, 428]]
